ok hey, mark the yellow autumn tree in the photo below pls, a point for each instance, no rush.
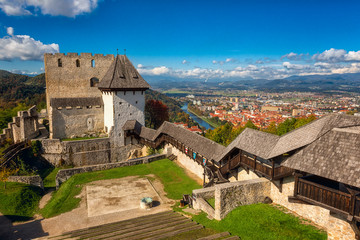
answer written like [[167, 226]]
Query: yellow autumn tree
[[5, 173]]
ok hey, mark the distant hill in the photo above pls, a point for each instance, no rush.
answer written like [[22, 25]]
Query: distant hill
[[349, 82], [17, 88]]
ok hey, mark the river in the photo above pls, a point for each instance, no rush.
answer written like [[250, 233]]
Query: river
[[196, 118]]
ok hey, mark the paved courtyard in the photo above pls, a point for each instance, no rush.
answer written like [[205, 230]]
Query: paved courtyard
[[118, 196]]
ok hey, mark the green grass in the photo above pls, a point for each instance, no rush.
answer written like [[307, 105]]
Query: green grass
[[79, 138], [19, 201], [211, 201], [49, 180], [262, 221], [175, 181]]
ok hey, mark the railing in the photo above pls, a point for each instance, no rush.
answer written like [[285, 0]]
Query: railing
[[330, 198], [271, 172]]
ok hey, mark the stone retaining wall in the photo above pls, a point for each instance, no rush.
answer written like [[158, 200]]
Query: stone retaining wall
[[205, 193], [229, 196], [84, 152], [31, 180], [65, 174]]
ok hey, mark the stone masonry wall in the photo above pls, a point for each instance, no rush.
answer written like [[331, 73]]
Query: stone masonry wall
[[187, 162], [23, 127], [77, 121], [335, 225], [31, 180], [229, 196], [71, 80], [65, 174], [84, 152]]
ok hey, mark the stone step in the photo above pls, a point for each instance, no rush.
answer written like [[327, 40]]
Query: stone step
[[231, 238], [158, 234], [176, 232], [138, 220], [215, 236], [128, 227], [139, 230]]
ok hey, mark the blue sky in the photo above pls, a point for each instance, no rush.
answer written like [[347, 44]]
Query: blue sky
[[188, 39]]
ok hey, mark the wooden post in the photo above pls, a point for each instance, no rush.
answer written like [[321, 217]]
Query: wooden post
[[296, 184], [255, 163], [273, 169], [228, 165]]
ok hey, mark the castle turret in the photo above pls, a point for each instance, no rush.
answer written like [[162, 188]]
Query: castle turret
[[123, 93]]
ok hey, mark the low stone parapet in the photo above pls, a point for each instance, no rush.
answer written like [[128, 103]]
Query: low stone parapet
[[205, 193], [229, 196], [31, 180], [65, 174]]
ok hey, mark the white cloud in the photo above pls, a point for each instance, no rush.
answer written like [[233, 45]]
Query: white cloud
[[185, 62], [227, 60], [154, 71], [140, 65], [23, 47], [352, 56], [293, 56], [68, 8], [331, 55]]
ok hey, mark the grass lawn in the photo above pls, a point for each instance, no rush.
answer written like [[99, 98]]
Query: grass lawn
[[262, 221], [80, 138], [19, 201], [175, 181], [211, 201], [49, 180]]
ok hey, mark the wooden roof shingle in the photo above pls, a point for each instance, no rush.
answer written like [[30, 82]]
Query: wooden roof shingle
[[122, 75], [335, 155]]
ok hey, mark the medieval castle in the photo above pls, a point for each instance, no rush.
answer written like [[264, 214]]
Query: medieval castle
[[312, 170], [86, 93]]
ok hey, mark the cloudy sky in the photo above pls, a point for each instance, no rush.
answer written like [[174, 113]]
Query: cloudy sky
[[188, 39]]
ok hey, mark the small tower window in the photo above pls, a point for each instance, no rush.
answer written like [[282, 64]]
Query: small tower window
[[59, 62], [77, 63], [133, 92], [136, 102], [94, 82], [93, 63]]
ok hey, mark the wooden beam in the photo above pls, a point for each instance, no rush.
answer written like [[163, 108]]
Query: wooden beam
[[293, 199]]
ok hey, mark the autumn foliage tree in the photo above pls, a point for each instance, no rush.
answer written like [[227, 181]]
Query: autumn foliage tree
[[155, 113], [5, 173]]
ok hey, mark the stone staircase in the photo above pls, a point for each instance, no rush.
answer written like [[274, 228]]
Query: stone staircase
[[165, 225]]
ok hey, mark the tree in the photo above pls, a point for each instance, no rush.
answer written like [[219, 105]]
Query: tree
[[250, 124], [271, 128], [156, 113], [5, 173]]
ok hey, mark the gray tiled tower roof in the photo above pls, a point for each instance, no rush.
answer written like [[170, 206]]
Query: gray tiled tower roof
[[122, 75]]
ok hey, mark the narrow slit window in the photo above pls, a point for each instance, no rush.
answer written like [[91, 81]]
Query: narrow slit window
[[77, 63], [59, 62], [93, 63]]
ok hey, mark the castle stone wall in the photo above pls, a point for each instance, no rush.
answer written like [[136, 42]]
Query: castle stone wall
[[77, 121], [336, 226], [31, 180], [71, 80], [229, 196], [186, 162], [23, 127], [128, 105], [84, 152]]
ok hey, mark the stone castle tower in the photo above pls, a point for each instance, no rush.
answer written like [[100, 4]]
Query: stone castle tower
[[91, 93], [123, 94]]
